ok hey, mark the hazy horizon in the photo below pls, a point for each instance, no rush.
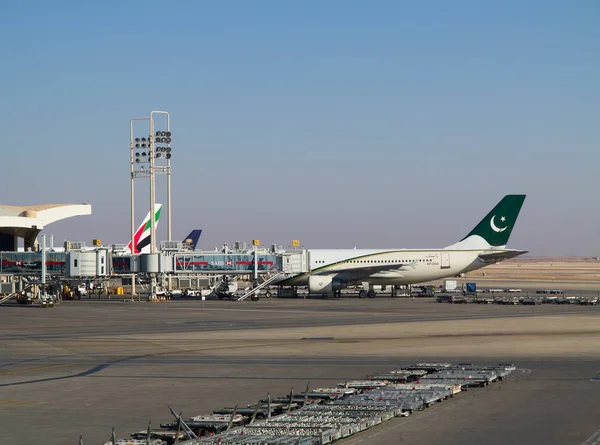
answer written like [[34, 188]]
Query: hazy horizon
[[341, 124]]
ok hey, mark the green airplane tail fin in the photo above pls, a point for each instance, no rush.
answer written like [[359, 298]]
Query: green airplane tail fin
[[497, 226]]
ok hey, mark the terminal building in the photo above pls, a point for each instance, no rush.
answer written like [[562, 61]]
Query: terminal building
[[27, 222], [174, 266]]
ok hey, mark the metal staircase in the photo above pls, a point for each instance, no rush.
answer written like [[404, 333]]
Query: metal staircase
[[269, 279], [15, 294], [220, 284]]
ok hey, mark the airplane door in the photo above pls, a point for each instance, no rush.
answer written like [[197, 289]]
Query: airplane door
[[445, 263], [287, 266]]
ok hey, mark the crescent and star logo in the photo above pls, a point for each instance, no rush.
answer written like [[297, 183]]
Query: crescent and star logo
[[494, 227]]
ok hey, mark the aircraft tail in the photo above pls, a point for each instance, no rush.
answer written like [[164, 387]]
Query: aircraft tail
[[142, 234], [493, 231], [191, 240]]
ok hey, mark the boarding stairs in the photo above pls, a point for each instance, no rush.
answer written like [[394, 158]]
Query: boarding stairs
[[220, 284], [8, 297], [268, 280], [15, 294]]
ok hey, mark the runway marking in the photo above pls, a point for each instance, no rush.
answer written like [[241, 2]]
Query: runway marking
[[22, 402], [39, 368], [594, 439]]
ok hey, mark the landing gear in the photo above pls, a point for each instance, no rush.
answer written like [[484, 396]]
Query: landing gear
[[337, 294], [367, 294]]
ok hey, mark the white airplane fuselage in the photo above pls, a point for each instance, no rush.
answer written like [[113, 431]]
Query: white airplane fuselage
[[404, 266]]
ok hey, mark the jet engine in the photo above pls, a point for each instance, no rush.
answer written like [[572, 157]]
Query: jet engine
[[323, 284]]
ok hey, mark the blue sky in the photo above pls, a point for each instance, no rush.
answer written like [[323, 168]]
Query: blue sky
[[341, 123]]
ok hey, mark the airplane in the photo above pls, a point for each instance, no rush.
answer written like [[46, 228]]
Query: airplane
[[191, 240], [332, 270], [142, 234]]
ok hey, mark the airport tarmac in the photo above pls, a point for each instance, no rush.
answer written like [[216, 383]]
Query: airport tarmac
[[83, 367]]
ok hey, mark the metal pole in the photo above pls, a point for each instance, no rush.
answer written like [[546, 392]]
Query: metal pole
[[152, 191], [255, 262], [168, 186], [152, 201], [132, 178], [43, 263], [132, 203]]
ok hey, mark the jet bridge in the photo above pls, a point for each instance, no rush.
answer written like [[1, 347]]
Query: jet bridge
[[289, 262]]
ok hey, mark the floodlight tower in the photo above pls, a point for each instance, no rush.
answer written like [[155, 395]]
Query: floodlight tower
[[145, 156], [138, 162]]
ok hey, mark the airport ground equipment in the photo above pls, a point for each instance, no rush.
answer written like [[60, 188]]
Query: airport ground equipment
[[15, 295], [268, 280], [529, 299], [324, 415], [450, 285]]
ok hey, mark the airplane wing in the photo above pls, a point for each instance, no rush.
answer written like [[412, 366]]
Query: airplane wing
[[356, 274], [502, 255]]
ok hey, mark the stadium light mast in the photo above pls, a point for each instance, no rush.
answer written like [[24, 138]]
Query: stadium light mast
[[145, 152], [137, 160], [145, 157]]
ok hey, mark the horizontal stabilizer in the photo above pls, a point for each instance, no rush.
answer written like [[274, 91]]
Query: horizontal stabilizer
[[501, 256]]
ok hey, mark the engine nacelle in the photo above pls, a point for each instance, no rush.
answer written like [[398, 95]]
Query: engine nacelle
[[323, 284]]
